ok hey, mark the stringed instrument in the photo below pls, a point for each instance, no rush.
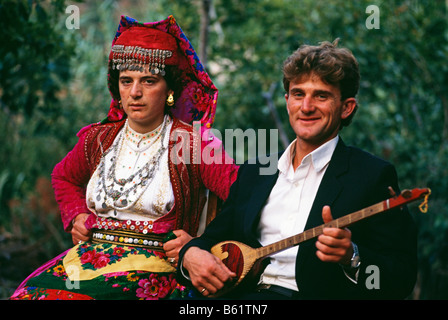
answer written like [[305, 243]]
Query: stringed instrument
[[248, 262]]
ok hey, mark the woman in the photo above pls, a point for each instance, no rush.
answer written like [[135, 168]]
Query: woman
[[133, 181]]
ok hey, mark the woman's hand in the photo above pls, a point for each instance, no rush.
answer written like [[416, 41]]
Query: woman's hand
[[172, 247], [79, 231]]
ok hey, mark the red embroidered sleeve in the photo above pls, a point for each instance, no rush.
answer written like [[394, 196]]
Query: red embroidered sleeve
[[69, 180]]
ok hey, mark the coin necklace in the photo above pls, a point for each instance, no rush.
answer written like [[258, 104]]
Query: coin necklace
[[115, 188]]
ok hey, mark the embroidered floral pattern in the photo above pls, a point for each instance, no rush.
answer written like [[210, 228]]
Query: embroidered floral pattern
[[100, 256], [200, 99], [126, 285], [156, 287], [35, 293]]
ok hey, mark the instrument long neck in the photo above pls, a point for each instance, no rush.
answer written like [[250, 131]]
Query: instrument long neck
[[341, 222]]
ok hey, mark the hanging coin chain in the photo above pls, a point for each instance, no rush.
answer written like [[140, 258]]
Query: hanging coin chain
[[115, 188]]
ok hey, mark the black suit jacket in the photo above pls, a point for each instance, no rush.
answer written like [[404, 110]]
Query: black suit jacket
[[353, 180]]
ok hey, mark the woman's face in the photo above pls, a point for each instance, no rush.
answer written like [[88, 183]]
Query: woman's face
[[143, 96]]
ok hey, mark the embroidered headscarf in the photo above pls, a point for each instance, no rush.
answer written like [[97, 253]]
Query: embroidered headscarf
[[155, 45]]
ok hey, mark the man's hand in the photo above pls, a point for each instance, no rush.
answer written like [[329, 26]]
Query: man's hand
[[79, 231], [335, 244], [173, 247], [207, 272]]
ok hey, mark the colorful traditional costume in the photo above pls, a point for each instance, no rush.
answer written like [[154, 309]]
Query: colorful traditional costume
[[137, 187]]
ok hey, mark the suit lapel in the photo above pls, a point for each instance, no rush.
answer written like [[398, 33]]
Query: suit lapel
[[328, 191], [330, 187], [260, 193]]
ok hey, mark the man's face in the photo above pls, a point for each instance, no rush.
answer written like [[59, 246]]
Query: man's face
[[315, 110], [143, 97]]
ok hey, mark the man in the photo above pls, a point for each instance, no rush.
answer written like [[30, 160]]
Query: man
[[319, 178]]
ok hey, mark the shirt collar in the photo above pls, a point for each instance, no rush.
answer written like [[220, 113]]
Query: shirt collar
[[320, 157]]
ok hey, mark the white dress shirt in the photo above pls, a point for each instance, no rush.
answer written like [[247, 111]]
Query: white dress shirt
[[288, 206]]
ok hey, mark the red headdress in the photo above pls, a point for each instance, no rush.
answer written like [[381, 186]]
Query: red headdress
[[155, 45]]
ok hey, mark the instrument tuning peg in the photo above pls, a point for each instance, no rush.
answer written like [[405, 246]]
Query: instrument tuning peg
[[407, 194], [392, 192]]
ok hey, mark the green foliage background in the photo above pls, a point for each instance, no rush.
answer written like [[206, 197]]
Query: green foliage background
[[53, 82]]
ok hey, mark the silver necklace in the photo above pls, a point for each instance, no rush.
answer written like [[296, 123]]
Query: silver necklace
[[116, 191]]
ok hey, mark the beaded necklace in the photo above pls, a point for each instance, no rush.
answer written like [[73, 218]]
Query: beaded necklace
[[115, 192]]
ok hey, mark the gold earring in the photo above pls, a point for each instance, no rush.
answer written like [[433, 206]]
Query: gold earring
[[120, 106], [170, 100]]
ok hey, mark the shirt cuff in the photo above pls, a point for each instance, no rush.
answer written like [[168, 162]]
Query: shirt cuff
[[351, 273], [184, 273]]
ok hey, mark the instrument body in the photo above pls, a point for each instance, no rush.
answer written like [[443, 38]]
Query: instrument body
[[245, 261]]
